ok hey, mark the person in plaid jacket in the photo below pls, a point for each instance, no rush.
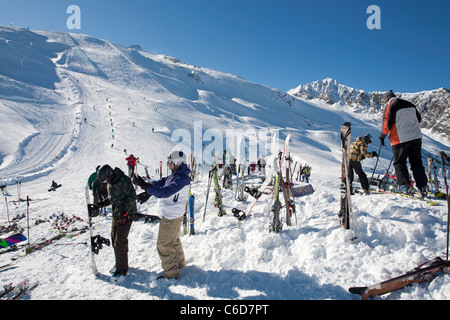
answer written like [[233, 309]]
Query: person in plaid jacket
[[358, 151]]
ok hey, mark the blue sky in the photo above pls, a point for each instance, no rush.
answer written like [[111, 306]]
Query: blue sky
[[280, 43]]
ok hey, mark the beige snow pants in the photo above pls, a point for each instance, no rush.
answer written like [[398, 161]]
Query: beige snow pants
[[169, 247]]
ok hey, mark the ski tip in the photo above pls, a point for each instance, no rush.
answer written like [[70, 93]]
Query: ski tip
[[357, 290]]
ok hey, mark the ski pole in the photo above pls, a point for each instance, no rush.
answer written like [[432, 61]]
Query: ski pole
[[389, 167], [28, 219], [207, 194], [7, 211], [376, 163]]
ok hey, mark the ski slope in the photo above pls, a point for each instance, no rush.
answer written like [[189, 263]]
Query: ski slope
[[64, 96]]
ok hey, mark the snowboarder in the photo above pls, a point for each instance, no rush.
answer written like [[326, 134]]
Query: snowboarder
[[122, 198], [54, 186], [131, 163], [358, 151], [174, 193], [401, 121]]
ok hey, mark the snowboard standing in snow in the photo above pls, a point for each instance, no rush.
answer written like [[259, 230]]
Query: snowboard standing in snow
[[96, 241], [423, 273], [345, 213]]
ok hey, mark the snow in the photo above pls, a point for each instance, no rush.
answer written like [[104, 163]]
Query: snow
[[59, 126]]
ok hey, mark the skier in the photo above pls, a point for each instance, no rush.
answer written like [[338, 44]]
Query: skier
[[401, 121], [358, 151], [131, 163], [174, 193], [122, 198]]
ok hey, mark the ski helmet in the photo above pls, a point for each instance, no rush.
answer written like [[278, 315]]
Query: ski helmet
[[177, 158], [367, 138], [105, 173]]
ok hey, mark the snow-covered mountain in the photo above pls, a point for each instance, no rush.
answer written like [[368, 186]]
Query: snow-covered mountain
[[433, 105], [70, 102]]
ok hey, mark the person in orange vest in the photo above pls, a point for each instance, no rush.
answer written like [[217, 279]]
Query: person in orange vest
[[401, 122]]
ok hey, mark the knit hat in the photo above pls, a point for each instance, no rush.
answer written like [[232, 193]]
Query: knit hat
[[388, 95]]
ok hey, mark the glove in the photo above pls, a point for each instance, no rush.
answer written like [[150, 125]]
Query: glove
[[139, 181], [103, 203], [123, 217], [93, 210], [382, 136], [142, 197]]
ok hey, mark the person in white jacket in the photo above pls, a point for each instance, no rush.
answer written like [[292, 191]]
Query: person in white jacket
[[173, 192]]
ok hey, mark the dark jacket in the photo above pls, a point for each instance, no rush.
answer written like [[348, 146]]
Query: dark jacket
[[121, 195]]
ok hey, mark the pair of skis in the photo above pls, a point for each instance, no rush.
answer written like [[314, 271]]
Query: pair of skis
[[14, 292], [214, 177], [423, 273], [284, 186], [346, 219]]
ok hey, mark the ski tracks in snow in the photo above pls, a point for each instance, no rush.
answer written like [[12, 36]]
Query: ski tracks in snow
[[56, 126]]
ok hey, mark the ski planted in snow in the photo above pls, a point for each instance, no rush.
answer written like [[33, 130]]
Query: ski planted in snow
[[96, 241], [240, 182], [345, 212], [423, 273], [214, 177], [188, 219], [218, 202], [276, 206], [286, 183]]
